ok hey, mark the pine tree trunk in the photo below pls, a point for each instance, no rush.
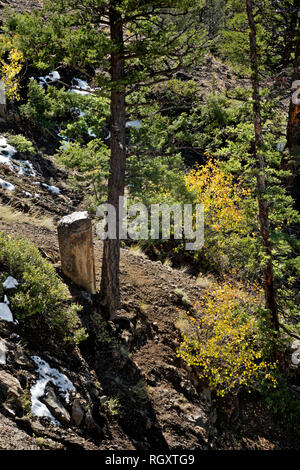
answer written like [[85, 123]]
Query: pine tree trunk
[[110, 280], [270, 299]]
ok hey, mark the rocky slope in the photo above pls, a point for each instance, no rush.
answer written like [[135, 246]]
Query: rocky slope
[[127, 387], [132, 392]]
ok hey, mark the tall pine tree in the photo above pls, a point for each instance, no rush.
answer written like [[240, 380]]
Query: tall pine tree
[[130, 43]]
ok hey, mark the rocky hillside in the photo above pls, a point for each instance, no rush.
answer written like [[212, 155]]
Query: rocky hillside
[[126, 388]]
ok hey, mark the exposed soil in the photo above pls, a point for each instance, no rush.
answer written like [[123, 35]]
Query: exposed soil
[[21, 6]]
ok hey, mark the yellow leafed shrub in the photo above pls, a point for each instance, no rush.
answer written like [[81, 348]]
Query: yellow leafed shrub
[[222, 199], [223, 342], [10, 68], [226, 216]]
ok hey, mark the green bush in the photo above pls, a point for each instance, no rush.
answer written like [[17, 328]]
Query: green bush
[[21, 144], [78, 117], [40, 291], [91, 163], [283, 404]]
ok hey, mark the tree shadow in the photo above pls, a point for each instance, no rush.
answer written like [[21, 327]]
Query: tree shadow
[[126, 397]]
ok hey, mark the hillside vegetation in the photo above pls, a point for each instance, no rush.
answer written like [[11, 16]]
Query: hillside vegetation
[[169, 103]]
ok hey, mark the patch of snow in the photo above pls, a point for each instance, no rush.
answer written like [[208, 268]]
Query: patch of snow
[[26, 168], [6, 185], [22, 167], [65, 142], [52, 189], [280, 146], [51, 78], [91, 133], [2, 352], [65, 145], [5, 312], [6, 149], [81, 83], [48, 374], [10, 283], [80, 87], [38, 408], [6, 161], [136, 124], [79, 92], [27, 194], [69, 219], [36, 195]]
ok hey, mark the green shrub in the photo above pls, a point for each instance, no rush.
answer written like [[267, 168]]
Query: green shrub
[[91, 163], [21, 144], [283, 404], [78, 117], [40, 291]]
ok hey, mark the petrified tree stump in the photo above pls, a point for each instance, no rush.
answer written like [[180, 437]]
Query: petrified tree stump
[[76, 250]]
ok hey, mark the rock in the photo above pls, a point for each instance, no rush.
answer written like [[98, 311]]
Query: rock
[[23, 360], [295, 344], [126, 336], [296, 357], [54, 404], [11, 390], [76, 250], [9, 385], [30, 426], [93, 389], [91, 425], [205, 395], [77, 412]]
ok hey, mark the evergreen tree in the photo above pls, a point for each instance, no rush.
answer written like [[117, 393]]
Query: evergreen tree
[[131, 43], [270, 299]]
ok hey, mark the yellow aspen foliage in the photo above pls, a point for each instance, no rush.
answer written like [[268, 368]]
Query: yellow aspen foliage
[[222, 199], [223, 342], [226, 216], [10, 68]]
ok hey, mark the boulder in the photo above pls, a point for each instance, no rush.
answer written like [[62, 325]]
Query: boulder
[[54, 405], [77, 412], [9, 385], [11, 390], [91, 425]]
